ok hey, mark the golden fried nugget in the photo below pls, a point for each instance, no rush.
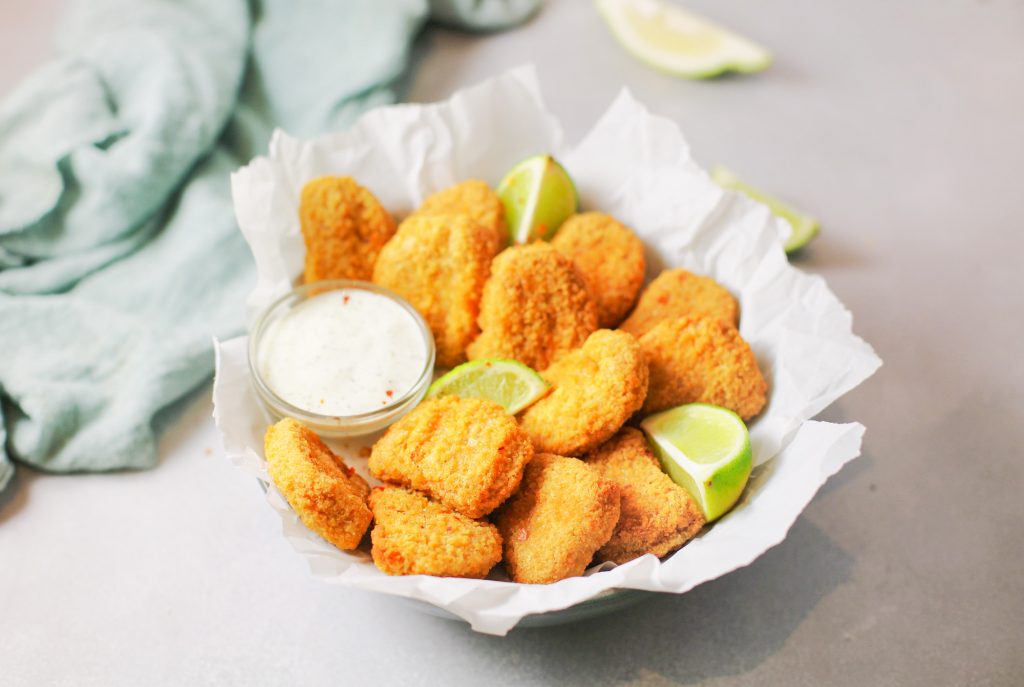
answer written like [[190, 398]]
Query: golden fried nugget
[[475, 199], [535, 307], [678, 293], [344, 227], [328, 496], [468, 453], [596, 388], [439, 263], [415, 536], [658, 516], [609, 258], [702, 359], [561, 515]]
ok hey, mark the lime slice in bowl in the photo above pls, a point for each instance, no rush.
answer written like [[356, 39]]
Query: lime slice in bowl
[[673, 40], [506, 382], [805, 227], [538, 195], [706, 450]]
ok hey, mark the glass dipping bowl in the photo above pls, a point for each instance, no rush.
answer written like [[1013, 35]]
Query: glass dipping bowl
[[337, 425]]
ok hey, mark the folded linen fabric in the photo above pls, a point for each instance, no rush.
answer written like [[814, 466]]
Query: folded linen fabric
[[119, 254]]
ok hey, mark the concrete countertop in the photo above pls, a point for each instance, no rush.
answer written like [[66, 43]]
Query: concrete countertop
[[902, 126]]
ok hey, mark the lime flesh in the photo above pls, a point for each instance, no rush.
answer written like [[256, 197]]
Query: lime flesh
[[704, 449], [804, 226], [538, 195], [679, 42], [506, 382]]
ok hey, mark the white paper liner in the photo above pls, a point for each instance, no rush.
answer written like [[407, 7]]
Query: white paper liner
[[637, 167]]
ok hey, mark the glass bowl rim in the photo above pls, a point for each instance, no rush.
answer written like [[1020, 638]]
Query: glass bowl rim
[[301, 294]]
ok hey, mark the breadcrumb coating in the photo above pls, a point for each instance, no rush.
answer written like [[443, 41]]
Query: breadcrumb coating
[[705, 360], [595, 389], [561, 515], [467, 453], [327, 495], [609, 258], [415, 536], [344, 227], [475, 199], [535, 308], [440, 263], [678, 293], [657, 515]]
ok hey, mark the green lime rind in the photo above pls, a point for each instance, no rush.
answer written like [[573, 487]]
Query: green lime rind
[[804, 227], [711, 72], [706, 450], [715, 71], [538, 195], [507, 382]]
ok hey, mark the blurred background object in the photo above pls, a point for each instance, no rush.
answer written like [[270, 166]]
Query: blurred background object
[[676, 41], [117, 238]]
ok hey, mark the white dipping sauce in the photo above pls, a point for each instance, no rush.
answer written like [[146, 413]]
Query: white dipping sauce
[[343, 352]]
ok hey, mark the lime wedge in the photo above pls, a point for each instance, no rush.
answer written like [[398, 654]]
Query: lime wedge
[[706, 450], [507, 382], [804, 226], [538, 195], [673, 40]]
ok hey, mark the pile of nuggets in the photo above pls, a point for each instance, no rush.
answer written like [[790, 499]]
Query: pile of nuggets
[[566, 482]]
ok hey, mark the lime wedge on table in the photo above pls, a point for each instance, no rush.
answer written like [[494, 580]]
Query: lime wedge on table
[[705, 449], [804, 226], [673, 40], [538, 195], [507, 382]]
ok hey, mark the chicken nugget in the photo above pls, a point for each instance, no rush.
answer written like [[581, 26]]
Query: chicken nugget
[[439, 263], [467, 453], [475, 199], [535, 307], [609, 258], [658, 516], [327, 495], [415, 536], [562, 514], [596, 388], [344, 227], [678, 293], [705, 360]]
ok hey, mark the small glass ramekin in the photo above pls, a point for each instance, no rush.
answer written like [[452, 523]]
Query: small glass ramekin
[[337, 425]]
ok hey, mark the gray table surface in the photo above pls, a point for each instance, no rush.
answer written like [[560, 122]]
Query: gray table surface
[[902, 125]]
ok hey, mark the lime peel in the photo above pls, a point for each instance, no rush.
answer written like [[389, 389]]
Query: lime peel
[[803, 227], [507, 382]]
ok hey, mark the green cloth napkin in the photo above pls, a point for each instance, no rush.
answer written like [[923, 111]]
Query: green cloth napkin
[[120, 258]]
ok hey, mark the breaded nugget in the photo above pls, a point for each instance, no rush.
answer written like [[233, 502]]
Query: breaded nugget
[[535, 307], [415, 536], [475, 199], [439, 263], [468, 453], [678, 293], [327, 495], [596, 388], [609, 258], [702, 359], [344, 227], [561, 515], [658, 516]]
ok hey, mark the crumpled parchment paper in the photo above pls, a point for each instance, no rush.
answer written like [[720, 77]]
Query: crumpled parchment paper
[[638, 167]]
